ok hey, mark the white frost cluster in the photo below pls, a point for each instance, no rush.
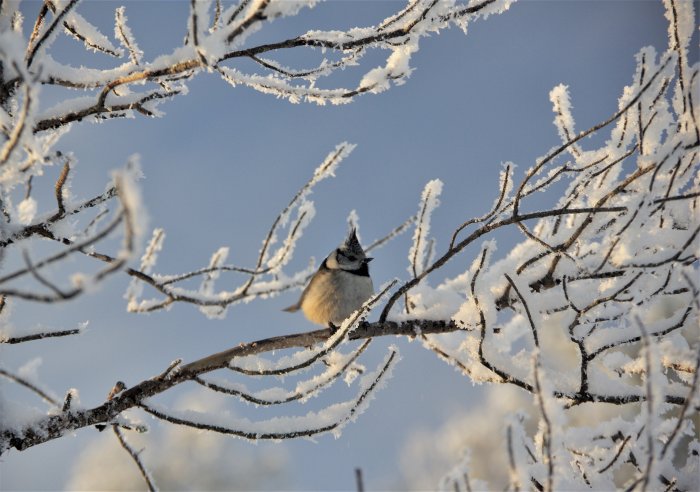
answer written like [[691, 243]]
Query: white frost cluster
[[603, 291], [419, 254], [26, 210]]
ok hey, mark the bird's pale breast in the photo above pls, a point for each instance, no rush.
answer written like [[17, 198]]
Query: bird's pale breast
[[334, 294]]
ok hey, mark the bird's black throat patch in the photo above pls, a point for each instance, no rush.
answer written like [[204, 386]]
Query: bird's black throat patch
[[363, 271]]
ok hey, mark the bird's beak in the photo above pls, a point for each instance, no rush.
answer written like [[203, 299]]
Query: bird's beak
[[367, 260]]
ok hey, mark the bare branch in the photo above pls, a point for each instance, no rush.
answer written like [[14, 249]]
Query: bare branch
[[135, 457], [32, 387], [527, 310], [547, 437], [511, 460], [505, 184], [40, 336], [359, 482]]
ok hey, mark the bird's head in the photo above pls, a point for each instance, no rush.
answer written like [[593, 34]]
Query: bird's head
[[349, 255]]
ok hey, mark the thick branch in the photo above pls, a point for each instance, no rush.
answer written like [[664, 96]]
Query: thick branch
[[55, 426]]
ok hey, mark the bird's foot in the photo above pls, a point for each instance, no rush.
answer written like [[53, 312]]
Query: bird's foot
[[333, 328]]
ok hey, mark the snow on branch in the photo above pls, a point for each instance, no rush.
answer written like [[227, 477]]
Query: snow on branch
[[418, 254], [125, 36], [52, 227], [598, 287], [53, 426], [337, 365], [205, 49], [331, 419]]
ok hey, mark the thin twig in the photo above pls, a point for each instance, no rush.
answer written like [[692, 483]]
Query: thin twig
[[684, 409], [40, 336], [30, 386], [547, 432], [135, 457], [650, 404], [360, 486], [515, 482]]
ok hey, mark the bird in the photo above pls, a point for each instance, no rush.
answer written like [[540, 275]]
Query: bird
[[339, 287]]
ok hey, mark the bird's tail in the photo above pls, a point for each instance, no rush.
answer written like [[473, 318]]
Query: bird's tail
[[293, 308]]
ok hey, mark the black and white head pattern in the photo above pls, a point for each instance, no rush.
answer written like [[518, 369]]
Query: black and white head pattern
[[349, 256]]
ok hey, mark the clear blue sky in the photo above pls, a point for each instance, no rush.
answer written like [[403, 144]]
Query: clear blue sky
[[223, 161]]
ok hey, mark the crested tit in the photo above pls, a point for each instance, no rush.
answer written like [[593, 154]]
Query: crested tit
[[340, 286]]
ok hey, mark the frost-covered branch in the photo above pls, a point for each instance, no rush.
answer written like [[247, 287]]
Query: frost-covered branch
[[331, 419], [590, 276], [219, 48], [55, 426], [127, 217]]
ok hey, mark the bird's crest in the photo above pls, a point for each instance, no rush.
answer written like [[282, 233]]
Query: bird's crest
[[352, 245]]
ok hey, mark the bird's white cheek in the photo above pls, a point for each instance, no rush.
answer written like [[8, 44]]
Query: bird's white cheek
[[332, 262]]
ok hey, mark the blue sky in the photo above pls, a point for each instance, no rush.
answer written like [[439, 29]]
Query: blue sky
[[223, 162]]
